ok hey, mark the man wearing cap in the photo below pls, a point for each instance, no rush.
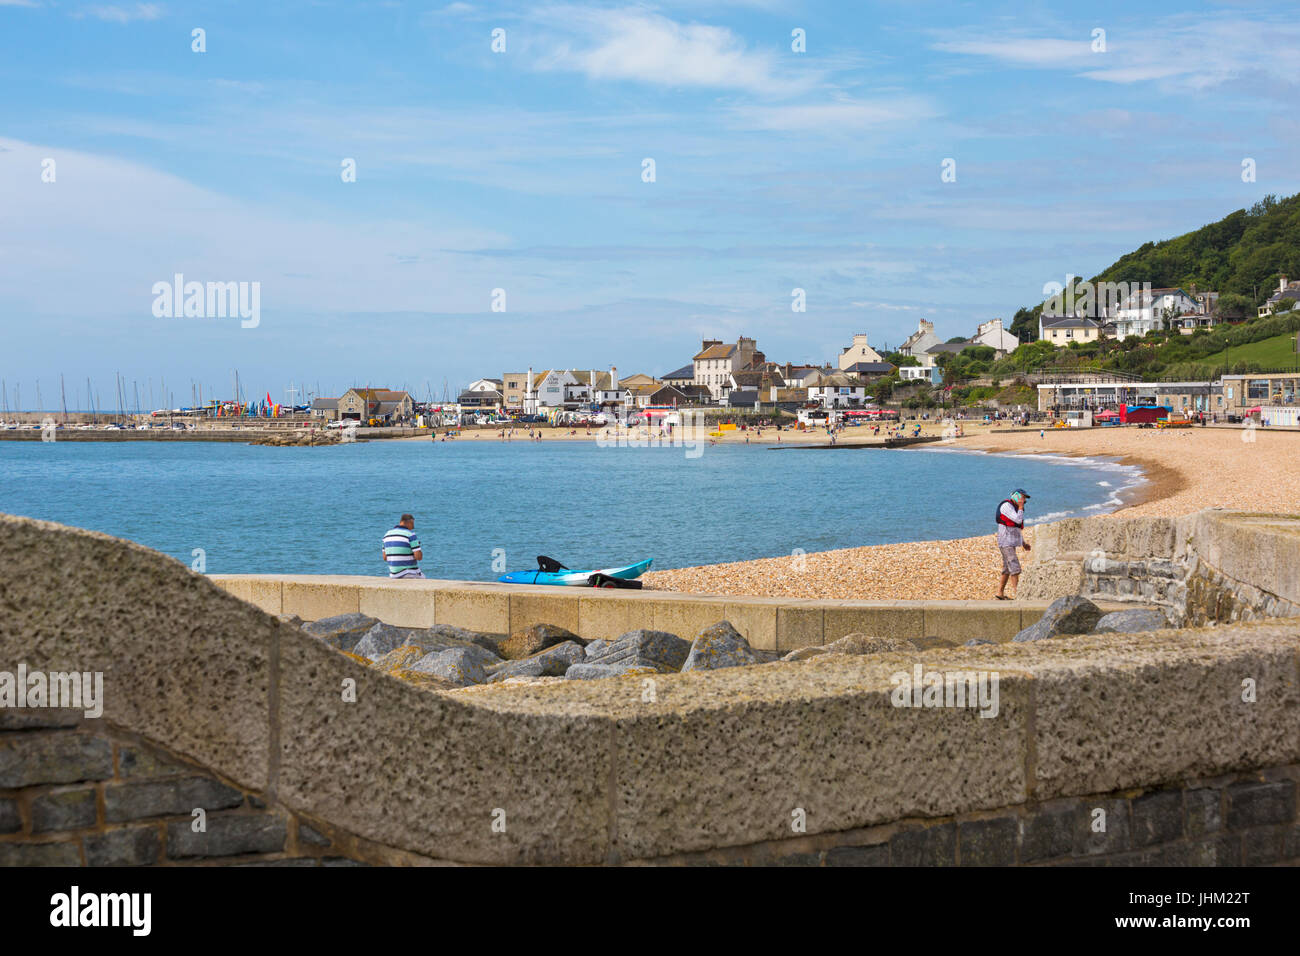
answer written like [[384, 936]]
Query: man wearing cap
[[1011, 521]]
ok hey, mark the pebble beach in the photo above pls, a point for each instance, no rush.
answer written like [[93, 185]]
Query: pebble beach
[[1185, 470]]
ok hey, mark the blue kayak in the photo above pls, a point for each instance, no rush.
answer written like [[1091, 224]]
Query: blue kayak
[[570, 578]]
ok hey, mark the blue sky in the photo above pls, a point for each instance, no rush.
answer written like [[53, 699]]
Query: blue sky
[[522, 170]]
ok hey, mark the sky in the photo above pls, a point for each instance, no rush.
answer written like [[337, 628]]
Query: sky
[[913, 160]]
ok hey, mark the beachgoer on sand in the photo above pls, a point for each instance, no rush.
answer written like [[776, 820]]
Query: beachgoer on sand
[[1011, 522]]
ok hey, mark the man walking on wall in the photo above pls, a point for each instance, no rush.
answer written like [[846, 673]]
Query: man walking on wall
[[1011, 523]]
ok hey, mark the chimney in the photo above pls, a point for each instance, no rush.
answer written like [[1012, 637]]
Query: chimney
[[613, 378], [1281, 284], [528, 386]]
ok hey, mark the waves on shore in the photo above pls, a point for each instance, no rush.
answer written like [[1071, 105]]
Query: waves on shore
[[1127, 479]]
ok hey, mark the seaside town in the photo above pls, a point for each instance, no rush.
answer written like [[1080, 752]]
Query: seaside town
[[989, 375], [416, 431]]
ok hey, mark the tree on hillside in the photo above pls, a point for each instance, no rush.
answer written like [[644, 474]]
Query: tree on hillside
[[1232, 306]]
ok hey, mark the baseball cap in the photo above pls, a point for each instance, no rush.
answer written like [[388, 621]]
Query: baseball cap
[[1021, 491]]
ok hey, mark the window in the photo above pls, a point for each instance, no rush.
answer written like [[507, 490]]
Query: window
[[1257, 389]]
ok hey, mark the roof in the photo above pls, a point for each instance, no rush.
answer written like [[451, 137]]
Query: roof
[[325, 404], [686, 371], [1071, 322], [738, 396], [870, 368], [952, 348], [380, 394], [716, 352]]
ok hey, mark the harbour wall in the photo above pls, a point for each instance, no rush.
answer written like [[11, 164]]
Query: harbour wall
[[1104, 749]]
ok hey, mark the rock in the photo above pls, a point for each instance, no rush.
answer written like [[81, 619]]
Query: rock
[[659, 649], [343, 630], [717, 646], [399, 659], [536, 637], [289, 620], [551, 662], [596, 648], [528, 681], [1131, 622], [930, 641], [382, 638], [460, 665], [977, 641], [1067, 615], [427, 680], [855, 643], [589, 671], [457, 636]]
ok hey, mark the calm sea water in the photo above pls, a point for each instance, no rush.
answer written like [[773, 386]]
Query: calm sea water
[[324, 510]]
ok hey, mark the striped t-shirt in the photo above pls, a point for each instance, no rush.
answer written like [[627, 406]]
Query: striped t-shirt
[[400, 545]]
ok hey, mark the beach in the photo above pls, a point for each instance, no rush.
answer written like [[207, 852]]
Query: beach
[[1185, 470]]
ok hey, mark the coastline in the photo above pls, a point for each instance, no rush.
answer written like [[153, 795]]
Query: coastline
[[1184, 471]]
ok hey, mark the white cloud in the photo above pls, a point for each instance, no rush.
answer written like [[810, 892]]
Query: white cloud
[[844, 114], [1186, 52], [645, 47], [122, 14]]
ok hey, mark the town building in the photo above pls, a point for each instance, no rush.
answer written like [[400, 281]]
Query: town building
[[1064, 330], [482, 394], [920, 342], [1147, 310], [325, 408], [858, 352], [715, 362], [992, 334], [682, 376], [932, 374], [1285, 290], [383, 404], [837, 390], [1241, 393]]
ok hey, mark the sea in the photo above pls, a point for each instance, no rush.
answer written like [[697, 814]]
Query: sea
[[483, 507]]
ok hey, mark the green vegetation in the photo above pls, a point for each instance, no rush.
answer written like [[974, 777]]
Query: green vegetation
[[1275, 352], [1240, 257]]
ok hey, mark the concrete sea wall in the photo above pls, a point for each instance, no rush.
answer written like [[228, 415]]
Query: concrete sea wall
[[1183, 746]]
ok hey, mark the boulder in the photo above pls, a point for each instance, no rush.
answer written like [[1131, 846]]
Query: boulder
[[399, 659], [343, 631], [382, 638], [551, 662], [459, 665], [589, 671], [659, 649], [1067, 615], [596, 648], [457, 636], [930, 641], [717, 646], [423, 679], [1132, 621], [534, 638], [855, 643]]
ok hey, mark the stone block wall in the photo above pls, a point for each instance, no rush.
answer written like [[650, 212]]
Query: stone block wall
[[74, 792], [1210, 567], [1236, 820]]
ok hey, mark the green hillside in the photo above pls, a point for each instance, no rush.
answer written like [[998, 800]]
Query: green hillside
[[1276, 352], [1240, 257]]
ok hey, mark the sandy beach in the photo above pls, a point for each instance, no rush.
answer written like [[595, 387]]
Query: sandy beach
[[1186, 470]]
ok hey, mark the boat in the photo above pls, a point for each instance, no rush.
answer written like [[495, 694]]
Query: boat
[[550, 571]]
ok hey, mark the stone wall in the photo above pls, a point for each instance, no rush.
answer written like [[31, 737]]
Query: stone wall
[[1210, 567], [210, 701]]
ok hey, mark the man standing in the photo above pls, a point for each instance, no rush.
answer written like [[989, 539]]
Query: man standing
[[1011, 522], [401, 550]]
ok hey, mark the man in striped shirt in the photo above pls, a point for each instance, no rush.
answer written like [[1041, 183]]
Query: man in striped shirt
[[401, 550]]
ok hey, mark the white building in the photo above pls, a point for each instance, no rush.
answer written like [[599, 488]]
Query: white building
[[920, 342], [715, 362], [1144, 311], [992, 333]]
